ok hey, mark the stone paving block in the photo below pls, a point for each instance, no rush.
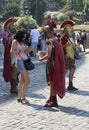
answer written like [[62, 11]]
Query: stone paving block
[[72, 113]]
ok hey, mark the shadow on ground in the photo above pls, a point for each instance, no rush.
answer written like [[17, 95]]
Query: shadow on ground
[[79, 92], [74, 111]]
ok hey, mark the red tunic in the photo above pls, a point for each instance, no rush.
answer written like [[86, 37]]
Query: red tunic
[[56, 72], [59, 71], [7, 61]]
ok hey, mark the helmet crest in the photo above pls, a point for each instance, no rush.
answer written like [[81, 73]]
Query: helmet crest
[[51, 23], [9, 24], [67, 23]]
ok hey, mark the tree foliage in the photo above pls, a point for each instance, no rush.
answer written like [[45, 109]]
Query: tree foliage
[[40, 9], [10, 10], [37, 8], [86, 7], [25, 7], [26, 22]]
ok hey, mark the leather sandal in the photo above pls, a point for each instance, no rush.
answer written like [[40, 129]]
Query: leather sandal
[[19, 100], [25, 101], [51, 105]]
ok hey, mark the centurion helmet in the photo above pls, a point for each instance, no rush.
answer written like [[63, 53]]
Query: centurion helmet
[[68, 26], [50, 24], [9, 24]]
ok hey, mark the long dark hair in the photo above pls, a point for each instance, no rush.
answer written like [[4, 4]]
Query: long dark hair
[[20, 35]]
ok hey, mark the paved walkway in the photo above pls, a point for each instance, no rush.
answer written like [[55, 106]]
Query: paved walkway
[[72, 113]]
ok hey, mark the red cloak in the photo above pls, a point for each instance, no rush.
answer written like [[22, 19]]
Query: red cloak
[[64, 40], [59, 71], [7, 61]]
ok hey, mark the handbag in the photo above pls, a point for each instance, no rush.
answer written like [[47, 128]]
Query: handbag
[[29, 65]]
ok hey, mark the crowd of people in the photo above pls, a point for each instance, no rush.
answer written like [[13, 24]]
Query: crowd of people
[[58, 50], [81, 39]]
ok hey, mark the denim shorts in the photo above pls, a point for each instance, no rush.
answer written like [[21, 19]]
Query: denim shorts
[[34, 45], [20, 65]]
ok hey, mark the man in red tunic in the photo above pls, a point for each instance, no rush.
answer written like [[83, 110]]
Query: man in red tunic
[[55, 66], [10, 71], [69, 49]]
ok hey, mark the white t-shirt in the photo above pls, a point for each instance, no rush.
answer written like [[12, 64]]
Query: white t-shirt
[[34, 35]]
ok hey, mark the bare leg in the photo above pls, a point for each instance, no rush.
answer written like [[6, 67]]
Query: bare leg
[[22, 87], [14, 80], [26, 80], [84, 46], [71, 73]]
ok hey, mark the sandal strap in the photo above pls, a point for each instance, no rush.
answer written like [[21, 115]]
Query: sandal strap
[[24, 101], [19, 100]]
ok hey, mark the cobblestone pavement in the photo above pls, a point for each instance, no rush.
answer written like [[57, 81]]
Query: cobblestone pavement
[[72, 113]]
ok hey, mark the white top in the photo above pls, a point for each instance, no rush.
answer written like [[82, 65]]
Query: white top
[[34, 35]]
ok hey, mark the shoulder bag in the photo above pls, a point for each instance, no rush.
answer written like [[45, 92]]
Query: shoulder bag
[[29, 65]]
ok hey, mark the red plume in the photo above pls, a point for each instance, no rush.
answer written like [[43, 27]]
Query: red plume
[[8, 21], [67, 22], [51, 23]]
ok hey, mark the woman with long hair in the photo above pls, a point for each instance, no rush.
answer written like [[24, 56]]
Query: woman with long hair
[[20, 49]]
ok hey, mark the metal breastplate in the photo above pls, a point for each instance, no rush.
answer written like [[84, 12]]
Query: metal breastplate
[[70, 49]]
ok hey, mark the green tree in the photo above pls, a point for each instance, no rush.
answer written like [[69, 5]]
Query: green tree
[[36, 8], [40, 9], [11, 10], [60, 3], [76, 5], [86, 7], [33, 7], [25, 7], [26, 22]]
